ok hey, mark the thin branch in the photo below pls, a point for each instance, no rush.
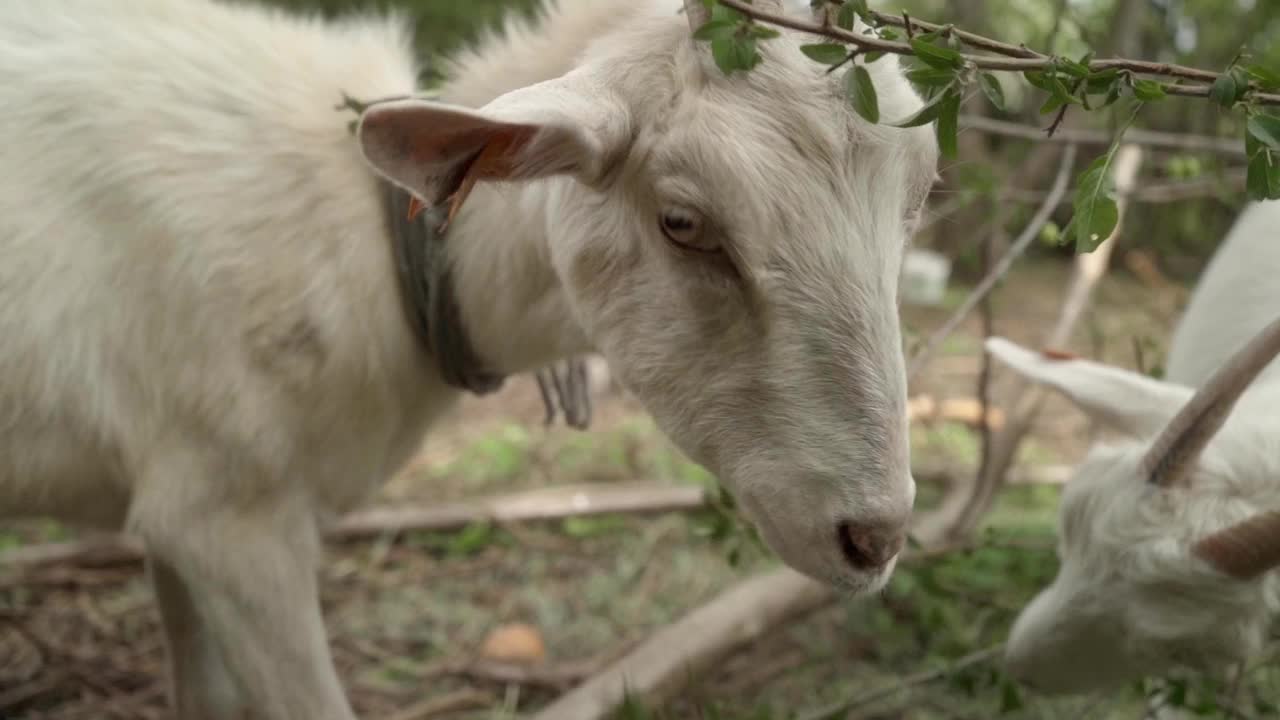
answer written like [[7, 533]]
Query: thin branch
[[1012, 58], [968, 38], [1133, 136], [1212, 186], [842, 708], [1002, 267], [1027, 397], [984, 373]]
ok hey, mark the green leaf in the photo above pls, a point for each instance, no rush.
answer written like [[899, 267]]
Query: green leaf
[[862, 93], [713, 29], [936, 56], [931, 77], [763, 32], [1266, 130], [1224, 90], [1267, 78], [1146, 90], [472, 538], [724, 12], [735, 53], [1263, 179], [1072, 68], [844, 19], [926, 114], [1010, 698], [872, 56], [1038, 79], [825, 53], [949, 124], [1095, 212], [991, 88], [1101, 81]]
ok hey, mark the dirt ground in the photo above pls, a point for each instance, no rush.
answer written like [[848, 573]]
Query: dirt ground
[[408, 616]]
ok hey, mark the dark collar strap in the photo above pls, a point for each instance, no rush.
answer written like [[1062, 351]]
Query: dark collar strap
[[431, 309], [426, 287]]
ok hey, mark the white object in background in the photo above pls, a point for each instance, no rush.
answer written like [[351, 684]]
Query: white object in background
[[924, 277]]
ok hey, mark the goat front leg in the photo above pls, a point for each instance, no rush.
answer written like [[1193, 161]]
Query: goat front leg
[[200, 686], [238, 586]]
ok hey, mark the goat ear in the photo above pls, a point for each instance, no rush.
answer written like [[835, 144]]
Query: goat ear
[[1126, 401], [566, 126]]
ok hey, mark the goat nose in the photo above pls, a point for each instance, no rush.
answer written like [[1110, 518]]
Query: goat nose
[[870, 546]]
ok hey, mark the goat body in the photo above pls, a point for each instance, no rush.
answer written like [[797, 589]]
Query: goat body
[[204, 342], [1169, 536]]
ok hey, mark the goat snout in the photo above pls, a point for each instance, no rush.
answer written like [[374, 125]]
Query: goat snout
[[871, 546]]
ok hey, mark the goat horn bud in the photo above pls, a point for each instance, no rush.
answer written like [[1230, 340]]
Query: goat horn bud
[[1244, 550]]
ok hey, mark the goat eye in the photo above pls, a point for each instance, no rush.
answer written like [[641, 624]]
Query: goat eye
[[685, 228]]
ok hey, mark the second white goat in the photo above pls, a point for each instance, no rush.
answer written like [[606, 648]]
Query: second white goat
[[1169, 538]]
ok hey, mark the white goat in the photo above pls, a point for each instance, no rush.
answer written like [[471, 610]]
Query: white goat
[[1168, 539], [205, 341]]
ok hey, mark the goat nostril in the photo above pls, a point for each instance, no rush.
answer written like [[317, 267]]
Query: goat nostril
[[866, 548]]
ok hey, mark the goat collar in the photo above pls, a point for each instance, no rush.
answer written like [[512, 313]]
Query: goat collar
[[426, 287]]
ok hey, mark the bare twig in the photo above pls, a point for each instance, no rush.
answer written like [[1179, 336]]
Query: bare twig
[[1027, 397], [1009, 59], [842, 708], [1002, 267], [1219, 185], [984, 373], [1133, 136], [465, 699]]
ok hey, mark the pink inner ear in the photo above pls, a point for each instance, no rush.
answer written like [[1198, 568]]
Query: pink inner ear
[[1051, 354], [497, 161]]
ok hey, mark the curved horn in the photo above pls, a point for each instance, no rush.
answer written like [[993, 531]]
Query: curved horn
[[1178, 446], [697, 12], [1245, 550]]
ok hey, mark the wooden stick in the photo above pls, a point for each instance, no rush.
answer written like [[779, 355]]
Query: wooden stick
[[664, 663], [540, 504]]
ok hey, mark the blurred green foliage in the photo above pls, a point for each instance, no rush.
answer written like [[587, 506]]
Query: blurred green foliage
[[440, 26]]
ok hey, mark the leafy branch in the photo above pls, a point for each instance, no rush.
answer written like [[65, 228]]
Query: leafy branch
[[944, 72]]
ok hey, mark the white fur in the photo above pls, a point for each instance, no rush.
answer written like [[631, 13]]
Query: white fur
[[1130, 599], [202, 338]]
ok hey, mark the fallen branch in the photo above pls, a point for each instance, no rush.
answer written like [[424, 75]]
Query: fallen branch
[[670, 658], [664, 663], [465, 699], [841, 708], [540, 504], [1001, 268]]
